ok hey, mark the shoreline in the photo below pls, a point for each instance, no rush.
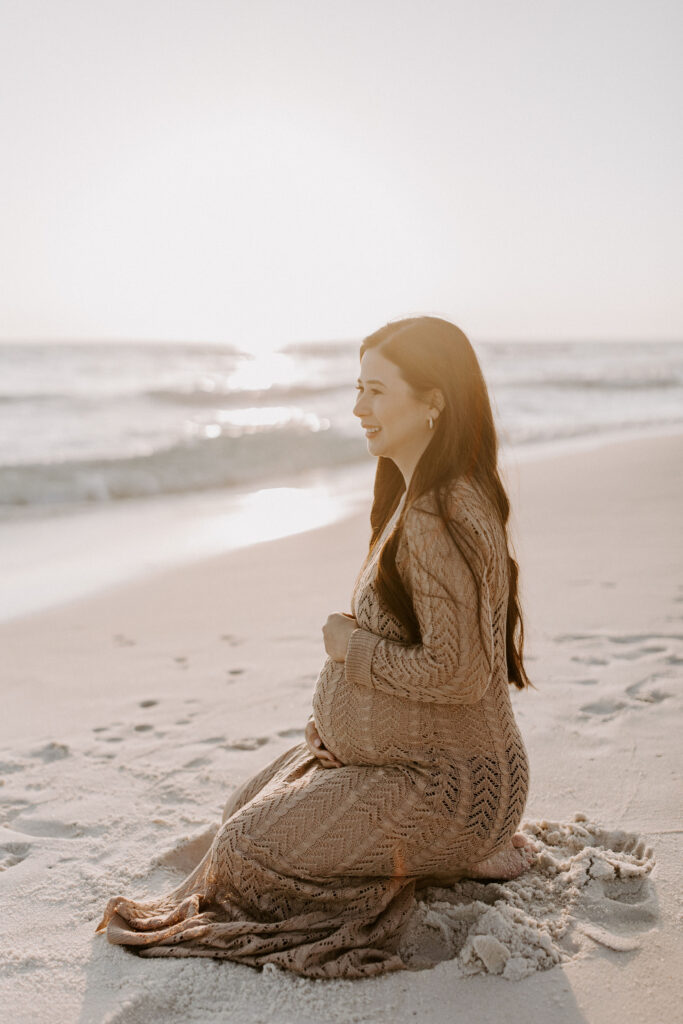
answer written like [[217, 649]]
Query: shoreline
[[79, 552], [60, 554]]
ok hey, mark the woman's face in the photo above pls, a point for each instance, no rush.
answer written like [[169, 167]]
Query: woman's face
[[386, 401]]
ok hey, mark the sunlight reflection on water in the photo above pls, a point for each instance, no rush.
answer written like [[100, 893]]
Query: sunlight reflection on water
[[263, 370]]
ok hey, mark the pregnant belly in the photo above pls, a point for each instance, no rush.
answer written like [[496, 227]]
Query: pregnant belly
[[345, 716]]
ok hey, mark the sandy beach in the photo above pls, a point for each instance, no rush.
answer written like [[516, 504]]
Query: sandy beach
[[130, 715]]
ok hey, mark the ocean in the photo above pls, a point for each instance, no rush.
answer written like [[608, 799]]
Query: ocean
[[118, 461], [91, 423]]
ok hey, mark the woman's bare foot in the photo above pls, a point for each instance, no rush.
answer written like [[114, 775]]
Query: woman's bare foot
[[513, 860]]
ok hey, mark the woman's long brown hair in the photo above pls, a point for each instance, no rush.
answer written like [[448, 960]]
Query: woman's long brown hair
[[430, 354]]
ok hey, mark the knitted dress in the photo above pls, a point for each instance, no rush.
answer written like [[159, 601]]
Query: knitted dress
[[315, 869]]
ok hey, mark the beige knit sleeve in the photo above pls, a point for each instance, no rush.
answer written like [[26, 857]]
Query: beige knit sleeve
[[452, 665]]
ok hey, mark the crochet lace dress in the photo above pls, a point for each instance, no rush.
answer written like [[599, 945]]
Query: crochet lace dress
[[315, 869]]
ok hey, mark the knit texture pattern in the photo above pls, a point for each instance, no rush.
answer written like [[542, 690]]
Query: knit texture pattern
[[315, 869]]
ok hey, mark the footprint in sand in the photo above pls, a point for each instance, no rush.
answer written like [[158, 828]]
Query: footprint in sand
[[51, 752], [148, 703], [12, 853], [625, 638], [605, 649], [235, 671], [246, 743], [198, 762], [234, 641], [123, 641], [645, 638], [106, 728], [144, 727], [639, 652], [653, 696], [181, 660], [291, 733], [608, 707], [604, 709], [46, 828], [13, 808]]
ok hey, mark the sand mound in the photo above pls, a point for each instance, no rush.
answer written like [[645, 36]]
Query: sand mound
[[586, 883]]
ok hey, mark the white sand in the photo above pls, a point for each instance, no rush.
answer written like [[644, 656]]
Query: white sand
[[129, 716]]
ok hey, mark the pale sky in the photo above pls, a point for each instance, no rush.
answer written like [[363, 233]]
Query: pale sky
[[267, 171]]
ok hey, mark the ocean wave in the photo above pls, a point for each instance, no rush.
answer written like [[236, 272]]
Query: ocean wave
[[199, 463], [280, 394], [194, 464], [40, 398], [519, 435], [202, 397], [644, 383]]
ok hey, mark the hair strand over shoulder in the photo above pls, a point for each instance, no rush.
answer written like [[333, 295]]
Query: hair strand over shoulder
[[433, 353]]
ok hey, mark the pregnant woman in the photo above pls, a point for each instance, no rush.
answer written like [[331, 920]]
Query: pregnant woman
[[413, 771]]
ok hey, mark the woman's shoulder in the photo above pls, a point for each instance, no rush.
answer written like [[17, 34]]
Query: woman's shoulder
[[461, 497], [466, 507]]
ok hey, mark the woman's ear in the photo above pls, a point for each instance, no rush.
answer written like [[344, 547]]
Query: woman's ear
[[437, 401]]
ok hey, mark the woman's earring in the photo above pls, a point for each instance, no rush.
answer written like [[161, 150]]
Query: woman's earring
[[430, 421]]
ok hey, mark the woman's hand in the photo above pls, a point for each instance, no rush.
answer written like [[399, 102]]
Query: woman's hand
[[315, 745], [336, 632]]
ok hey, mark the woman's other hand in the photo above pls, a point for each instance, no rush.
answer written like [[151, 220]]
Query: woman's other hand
[[316, 746], [336, 632]]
